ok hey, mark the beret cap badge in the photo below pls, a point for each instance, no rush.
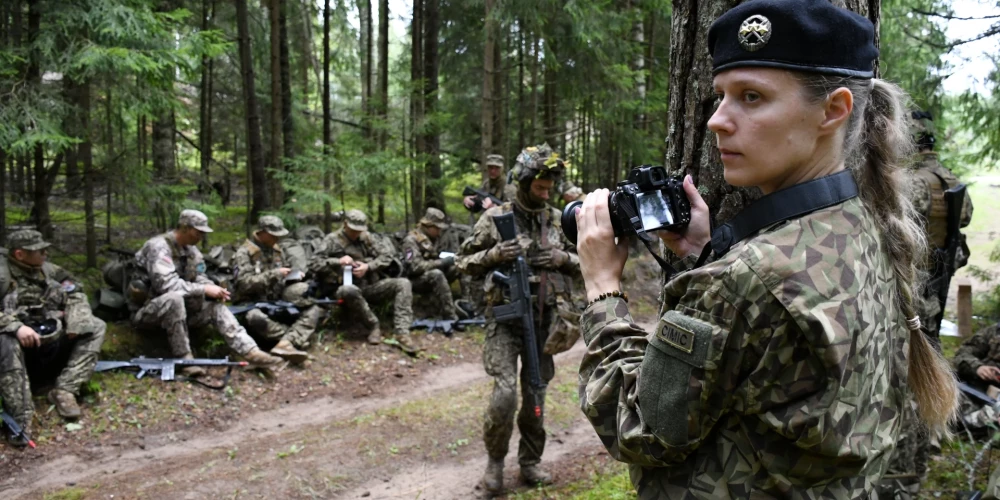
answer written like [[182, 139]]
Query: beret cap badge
[[754, 32]]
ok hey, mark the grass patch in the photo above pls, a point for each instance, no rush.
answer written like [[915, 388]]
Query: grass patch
[[607, 482], [67, 494]]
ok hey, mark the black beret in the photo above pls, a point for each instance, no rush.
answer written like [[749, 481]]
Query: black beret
[[805, 35]]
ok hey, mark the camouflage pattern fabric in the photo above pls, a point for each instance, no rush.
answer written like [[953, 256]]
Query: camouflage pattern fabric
[[504, 341], [15, 389], [258, 279], [427, 272], [981, 349], [374, 286], [777, 371], [50, 292], [927, 196], [178, 283], [908, 467], [451, 241]]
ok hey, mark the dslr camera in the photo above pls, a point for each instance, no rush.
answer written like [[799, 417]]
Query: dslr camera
[[648, 200]]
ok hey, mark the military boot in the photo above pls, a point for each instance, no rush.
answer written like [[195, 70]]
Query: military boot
[[493, 478], [533, 475], [260, 359], [191, 371], [65, 403], [287, 351], [375, 337]]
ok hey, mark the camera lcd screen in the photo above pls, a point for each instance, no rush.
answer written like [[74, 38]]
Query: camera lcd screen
[[654, 210]]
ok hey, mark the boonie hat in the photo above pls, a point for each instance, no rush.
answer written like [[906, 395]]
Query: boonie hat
[[195, 219]]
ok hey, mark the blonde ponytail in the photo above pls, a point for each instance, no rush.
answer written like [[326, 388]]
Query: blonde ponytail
[[877, 146]]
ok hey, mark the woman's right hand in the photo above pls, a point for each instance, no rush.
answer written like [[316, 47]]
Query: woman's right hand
[[698, 232]]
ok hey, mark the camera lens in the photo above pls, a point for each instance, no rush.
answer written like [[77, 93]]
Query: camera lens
[[568, 220]]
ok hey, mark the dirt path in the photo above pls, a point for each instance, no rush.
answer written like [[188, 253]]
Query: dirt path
[[421, 439]]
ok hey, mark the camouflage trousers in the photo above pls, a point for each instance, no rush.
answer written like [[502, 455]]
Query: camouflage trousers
[[399, 290], [173, 313], [14, 386], [435, 282], [298, 333], [504, 343], [908, 467], [77, 358]]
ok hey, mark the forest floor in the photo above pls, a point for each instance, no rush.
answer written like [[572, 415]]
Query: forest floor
[[357, 422]]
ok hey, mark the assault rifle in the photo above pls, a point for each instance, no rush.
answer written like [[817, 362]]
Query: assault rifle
[[520, 308], [278, 308], [977, 395], [480, 196], [167, 367], [447, 325], [18, 437], [945, 268]]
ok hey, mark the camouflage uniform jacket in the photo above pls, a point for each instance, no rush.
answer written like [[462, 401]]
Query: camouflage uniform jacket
[[48, 292], [498, 188], [473, 259], [928, 197], [777, 371], [981, 349], [420, 254], [256, 269], [366, 249], [172, 267]]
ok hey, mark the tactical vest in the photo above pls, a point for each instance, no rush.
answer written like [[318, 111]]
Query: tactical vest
[[937, 215]]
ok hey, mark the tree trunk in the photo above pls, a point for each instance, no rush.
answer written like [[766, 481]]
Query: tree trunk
[[205, 104], [287, 123], [417, 103], [535, 63], [382, 98], [489, 70], [690, 145], [365, 52], [327, 132], [164, 143], [276, 155], [255, 156], [434, 192], [40, 208], [3, 189], [86, 156], [520, 84]]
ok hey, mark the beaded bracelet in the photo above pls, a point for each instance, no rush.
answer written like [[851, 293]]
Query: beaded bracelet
[[617, 293]]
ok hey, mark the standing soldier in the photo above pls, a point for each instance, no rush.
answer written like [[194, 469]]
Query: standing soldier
[[541, 240], [930, 181], [177, 293], [428, 272], [261, 269], [375, 274], [45, 309], [495, 184]]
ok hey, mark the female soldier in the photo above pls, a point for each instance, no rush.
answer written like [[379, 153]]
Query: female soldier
[[780, 368]]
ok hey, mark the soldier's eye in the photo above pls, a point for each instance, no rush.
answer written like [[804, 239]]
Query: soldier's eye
[[751, 96]]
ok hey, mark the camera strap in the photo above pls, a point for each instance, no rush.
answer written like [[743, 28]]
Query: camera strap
[[786, 204]]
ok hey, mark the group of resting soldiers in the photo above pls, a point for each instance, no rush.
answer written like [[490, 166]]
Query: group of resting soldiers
[[46, 322]]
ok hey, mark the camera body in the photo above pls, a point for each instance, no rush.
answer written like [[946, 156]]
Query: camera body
[[648, 200]]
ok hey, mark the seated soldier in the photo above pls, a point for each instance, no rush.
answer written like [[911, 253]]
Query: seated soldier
[[427, 271], [46, 310], [178, 291], [261, 269], [374, 274]]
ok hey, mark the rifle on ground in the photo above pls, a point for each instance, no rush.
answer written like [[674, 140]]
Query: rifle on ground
[[520, 308], [446, 325], [17, 433], [953, 199], [167, 367], [480, 196], [977, 395], [278, 308]]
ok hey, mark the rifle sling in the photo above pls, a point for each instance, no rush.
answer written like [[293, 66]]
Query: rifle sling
[[214, 387]]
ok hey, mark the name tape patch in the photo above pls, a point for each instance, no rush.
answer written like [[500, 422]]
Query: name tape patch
[[677, 336]]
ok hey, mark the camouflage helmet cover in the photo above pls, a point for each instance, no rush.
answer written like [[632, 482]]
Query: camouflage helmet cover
[[535, 162]]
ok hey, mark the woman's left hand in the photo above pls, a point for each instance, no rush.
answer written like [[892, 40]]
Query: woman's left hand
[[601, 259]]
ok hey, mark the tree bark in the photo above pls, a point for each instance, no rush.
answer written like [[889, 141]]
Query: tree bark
[[690, 145], [365, 51], [489, 70], [417, 103], [276, 147], [382, 99], [255, 156], [164, 143], [86, 157], [40, 208], [205, 104], [434, 192], [520, 84], [287, 123], [327, 132]]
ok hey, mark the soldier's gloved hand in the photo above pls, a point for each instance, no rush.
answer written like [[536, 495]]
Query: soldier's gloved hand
[[550, 258], [504, 252]]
